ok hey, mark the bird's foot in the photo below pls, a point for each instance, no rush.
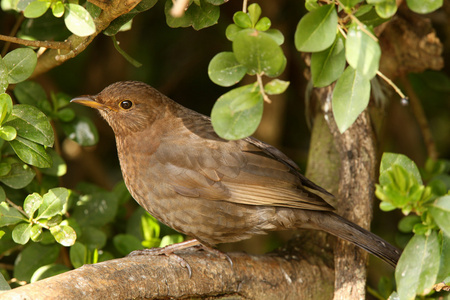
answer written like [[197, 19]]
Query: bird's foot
[[215, 252], [169, 251]]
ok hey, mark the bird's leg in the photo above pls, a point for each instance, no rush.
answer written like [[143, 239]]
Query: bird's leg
[[215, 252]]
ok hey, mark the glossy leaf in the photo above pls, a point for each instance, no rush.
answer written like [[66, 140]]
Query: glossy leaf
[[19, 176], [6, 107], [119, 22], [242, 20], [259, 53], [78, 254], [328, 65], [8, 133], [48, 271], [390, 159], [418, 266], [31, 152], [316, 31], [362, 52], [32, 203], [225, 70], [424, 6], [197, 16], [3, 76], [237, 114], [82, 131], [31, 124], [254, 12], [93, 238], [9, 215], [5, 168], [444, 270], [59, 166], [231, 31], [263, 24], [276, 86], [65, 235], [96, 209], [36, 9], [276, 35], [126, 243], [29, 92], [34, 256], [385, 9], [20, 64], [21, 233], [4, 286], [350, 98], [53, 203], [58, 9], [441, 213], [78, 20], [350, 3]]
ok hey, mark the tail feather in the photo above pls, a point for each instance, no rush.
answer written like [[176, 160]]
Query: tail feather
[[344, 229]]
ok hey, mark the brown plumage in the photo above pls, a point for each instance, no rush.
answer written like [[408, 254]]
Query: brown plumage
[[218, 191]]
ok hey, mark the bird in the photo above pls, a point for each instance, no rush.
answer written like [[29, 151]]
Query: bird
[[215, 190]]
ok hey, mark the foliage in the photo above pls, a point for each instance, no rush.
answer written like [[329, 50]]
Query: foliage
[[90, 224]]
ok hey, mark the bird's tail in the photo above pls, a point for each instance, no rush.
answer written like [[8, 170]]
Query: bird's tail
[[344, 229]]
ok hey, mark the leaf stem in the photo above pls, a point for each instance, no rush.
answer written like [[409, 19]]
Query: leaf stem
[[261, 88], [43, 44]]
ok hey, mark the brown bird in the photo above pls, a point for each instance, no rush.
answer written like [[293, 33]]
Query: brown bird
[[217, 191]]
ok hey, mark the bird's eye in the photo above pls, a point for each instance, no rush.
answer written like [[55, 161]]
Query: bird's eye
[[126, 104]]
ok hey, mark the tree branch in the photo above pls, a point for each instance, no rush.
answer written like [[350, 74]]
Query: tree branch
[[147, 277], [55, 57]]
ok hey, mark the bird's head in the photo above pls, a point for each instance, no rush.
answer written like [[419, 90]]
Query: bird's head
[[127, 106]]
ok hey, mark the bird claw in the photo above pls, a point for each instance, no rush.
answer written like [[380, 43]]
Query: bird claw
[[215, 252]]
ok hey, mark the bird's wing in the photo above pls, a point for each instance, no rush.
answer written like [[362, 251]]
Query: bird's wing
[[244, 172]]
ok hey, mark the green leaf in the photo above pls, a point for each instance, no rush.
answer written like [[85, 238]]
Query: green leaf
[[31, 124], [197, 16], [5, 168], [31, 152], [254, 12], [32, 258], [390, 159], [21, 233], [9, 215], [8, 133], [36, 233], [316, 31], [78, 20], [171, 239], [126, 243], [4, 286], [3, 76], [96, 209], [237, 114], [6, 106], [224, 69], [92, 237], [276, 35], [53, 203], [276, 86], [362, 52], [441, 213], [20, 64], [263, 24], [350, 3], [36, 9], [32, 203], [350, 98], [424, 6], [29, 92], [78, 254], [58, 168], [82, 131], [311, 5], [259, 53], [385, 9], [65, 235], [58, 9], [328, 65], [119, 22], [418, 266], [230, 32], [48, 271], [444, 270], [242, 20], [125, 55], [407, 224], [19, 176]]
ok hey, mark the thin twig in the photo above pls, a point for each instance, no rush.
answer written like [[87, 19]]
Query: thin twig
[[244, 6], [392, 84], [43, 44], [17, 207], [419, 113], [178, 8], [261, 88]]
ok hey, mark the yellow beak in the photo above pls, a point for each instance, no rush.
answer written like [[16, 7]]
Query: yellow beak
[[88, 101]]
